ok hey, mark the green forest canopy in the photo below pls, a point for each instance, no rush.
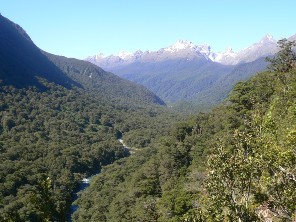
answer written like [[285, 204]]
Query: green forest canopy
[[236, 163]]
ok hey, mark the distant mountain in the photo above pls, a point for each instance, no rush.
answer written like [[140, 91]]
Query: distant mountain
[[185, 71], [265, 47], [176, 79], [181, 49], [60, 120], [110, 86], [292, 38], [23, 64], [188, 50]]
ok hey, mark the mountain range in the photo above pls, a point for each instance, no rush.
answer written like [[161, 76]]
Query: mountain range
[[188, 72], [23, 64], [60, 120], [187, 49]]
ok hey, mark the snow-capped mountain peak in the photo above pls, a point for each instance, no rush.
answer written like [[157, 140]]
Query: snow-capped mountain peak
[[227, 55], [96, 57], [180, 45], [183, 44], [138, 53], [129, 55], [204, 49], [229, 52], [99, 56], [184, 49], [124, 54], [268, 38], [266, 46]]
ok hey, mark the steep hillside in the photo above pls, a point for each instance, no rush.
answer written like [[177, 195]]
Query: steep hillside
[[22, 63], [104, 83], [175, 80], [236, 163], [220, 89], [203, 82], [60, 120]]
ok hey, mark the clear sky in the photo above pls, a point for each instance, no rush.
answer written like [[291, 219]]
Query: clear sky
[[79, 28]]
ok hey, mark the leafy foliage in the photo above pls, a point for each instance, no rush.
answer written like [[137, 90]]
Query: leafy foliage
[[59, 122], [251, 174], [62, 135], [285, 59], [236, 163]]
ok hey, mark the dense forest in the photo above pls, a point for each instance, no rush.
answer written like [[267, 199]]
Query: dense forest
[[60, 121], [51, 139], [235, 163]]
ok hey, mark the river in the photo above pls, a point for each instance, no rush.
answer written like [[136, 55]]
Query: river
[[85, 182]]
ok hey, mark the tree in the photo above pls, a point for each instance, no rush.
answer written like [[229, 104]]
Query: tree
[[232, 177], [44, 202], [251, 172], [285, 58]]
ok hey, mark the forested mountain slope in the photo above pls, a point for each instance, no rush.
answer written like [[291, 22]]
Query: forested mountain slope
[[188, 72], [104, 83], [62, 123], [21, 61], [189, 79], [62, 135], [178, 79], [236, 163], [60, 120], [23, 64]]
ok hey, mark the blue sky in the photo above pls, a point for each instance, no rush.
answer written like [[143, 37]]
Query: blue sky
[[80, 28]]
